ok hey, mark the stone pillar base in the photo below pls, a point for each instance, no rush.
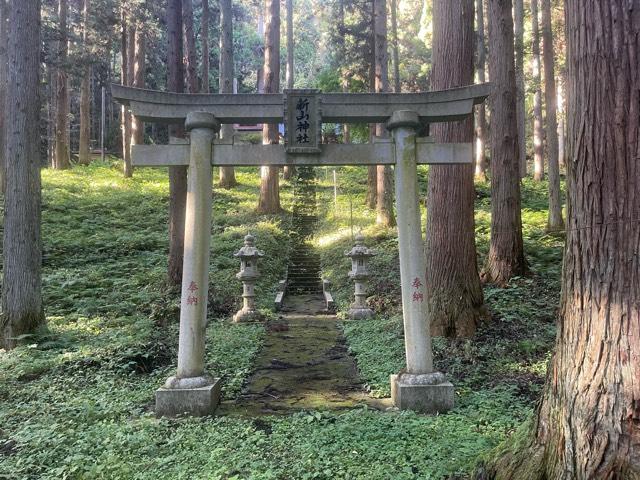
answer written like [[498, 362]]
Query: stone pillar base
[[356, 313], [427, 393], [248, 316], [195, 402]]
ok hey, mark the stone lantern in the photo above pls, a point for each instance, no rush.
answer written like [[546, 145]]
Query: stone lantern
[[360, 274], [248, 274]]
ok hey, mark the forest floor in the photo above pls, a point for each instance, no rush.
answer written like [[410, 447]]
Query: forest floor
[[76, 401]]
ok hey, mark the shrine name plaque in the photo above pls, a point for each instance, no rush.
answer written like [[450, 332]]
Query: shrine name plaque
[[303, 121]]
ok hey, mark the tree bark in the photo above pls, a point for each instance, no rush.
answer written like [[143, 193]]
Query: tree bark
[[481, 112], [384, 181], [62, 160], [561, 122], [554, 220], [518, 11], [177, 175], [288, 171], [396, 54], [588, 424], [372, 170], [190, 47], [506, 254], [269, 201], [125, 120], [206, 70], [227, 174], [138, 53], [538, 132], [4, 68], [454, 293], [85, 93], [22, 311]]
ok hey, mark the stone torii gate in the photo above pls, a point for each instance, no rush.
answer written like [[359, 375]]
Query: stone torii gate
[[192, 391]]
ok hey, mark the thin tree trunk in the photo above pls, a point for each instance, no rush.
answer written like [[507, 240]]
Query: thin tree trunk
[[506, 253], [269, 201], [554, 221], [455, 300], [518, 10], [346, 130], [62, 114], [206, 70], [289, 170], [396, 54], [260, 52], [481, 113], [137, 53], [22, 311], [561, 123], [190, 47], [4, 68], [538, 131], [588, 424], [177, 175], [227, 174], [85, 94], [372, 170], [384, 185], [127, 34]]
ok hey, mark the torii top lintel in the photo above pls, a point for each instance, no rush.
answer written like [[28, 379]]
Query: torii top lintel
[[437, 106]]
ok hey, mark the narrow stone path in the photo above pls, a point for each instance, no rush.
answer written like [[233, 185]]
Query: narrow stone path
[[304, 364]]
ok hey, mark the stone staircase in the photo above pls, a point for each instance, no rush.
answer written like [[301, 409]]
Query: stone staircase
[[304, 272]]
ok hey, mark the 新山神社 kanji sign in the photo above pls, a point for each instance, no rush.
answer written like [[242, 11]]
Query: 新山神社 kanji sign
[[303, 122]]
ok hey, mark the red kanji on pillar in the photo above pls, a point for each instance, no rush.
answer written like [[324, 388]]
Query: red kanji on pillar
[[192, 300]]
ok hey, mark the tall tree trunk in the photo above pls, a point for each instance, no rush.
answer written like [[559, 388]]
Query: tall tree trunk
[[518, 12], [62, 113], [269, 201], [190, 47], [289, 170], [561, 122], [125, 120], [481, 112], [538, 132], [206, 70], [372, 170], [588, 424], [177, 175], [22, 311], [506, 254], [396, 54], [85, 93], [260, 52], [384, 190], [138, 53], [227, 174], [554, 220], [455, 300], [346, 130], [4, 68]]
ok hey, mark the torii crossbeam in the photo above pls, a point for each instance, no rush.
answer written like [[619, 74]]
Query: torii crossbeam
[[191, 390]]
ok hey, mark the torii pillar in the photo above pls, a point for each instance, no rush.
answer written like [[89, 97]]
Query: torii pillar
[[418, 387], [192, 390]]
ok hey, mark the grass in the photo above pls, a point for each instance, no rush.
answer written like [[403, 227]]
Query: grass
[[76, 401]]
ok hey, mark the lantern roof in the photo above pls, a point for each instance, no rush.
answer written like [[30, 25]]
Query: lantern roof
[[359, 249], [249, 249]]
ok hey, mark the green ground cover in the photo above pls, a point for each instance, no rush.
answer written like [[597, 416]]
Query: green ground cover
[[76, 401]]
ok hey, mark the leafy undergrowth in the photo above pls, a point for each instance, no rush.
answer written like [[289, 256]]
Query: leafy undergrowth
[[76, 401]]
